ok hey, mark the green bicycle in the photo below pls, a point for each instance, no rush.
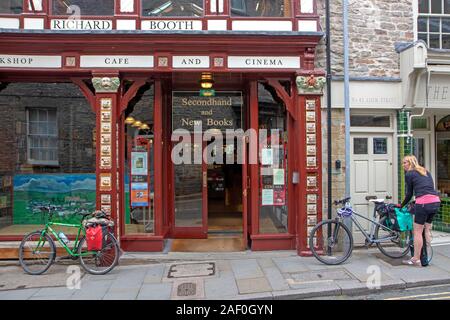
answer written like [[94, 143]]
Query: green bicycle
[[37, 250]]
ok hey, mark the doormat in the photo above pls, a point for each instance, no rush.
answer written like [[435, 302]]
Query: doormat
[[188, 270]]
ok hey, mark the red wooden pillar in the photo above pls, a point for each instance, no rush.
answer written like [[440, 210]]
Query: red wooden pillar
[[158, 149], [106, 104], [309, 132], [254, 167]]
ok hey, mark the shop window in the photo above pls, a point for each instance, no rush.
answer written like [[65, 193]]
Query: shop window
[[443, 156], [360, 146], [42, 136], [420, 123], [273, 141], [83, 7], [261, 8], [139, 164], [64, 135], [370, 121], [418, 148], [433, 29], [11, 6], [176, 8]]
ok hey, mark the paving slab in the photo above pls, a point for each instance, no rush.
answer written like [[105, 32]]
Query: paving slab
[[154, 274], [266, 262], [157, 291], [92, 290], [254, 285], [290, 264], [246, 269], [222, 287], [122, 294], [49, 292], [276, 279], [441, 261], [309, 290], [18, 294]]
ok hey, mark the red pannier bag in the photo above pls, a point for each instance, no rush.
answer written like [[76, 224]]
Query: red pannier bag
[[94, 238]]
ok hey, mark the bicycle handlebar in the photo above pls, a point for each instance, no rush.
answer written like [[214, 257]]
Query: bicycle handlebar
[[343, 201]]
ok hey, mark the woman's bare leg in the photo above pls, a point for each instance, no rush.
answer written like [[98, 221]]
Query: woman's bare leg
[[418, 242], [428, 227]]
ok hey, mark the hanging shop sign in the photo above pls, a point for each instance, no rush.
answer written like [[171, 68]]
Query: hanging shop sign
[[116, 61], [261, 62], [223, 111], [161, 25], [19, 61], [77, 24]]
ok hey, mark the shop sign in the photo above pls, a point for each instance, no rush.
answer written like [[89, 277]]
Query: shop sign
[[190, 62], [18, 61], [191, 111], [116, 61], [251, 62], [162, 25], [77, 24]]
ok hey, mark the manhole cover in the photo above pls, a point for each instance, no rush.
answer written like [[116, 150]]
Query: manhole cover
[[187, 289], [192, 270]]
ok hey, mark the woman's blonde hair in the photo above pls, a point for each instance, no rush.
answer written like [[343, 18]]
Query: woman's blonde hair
[[414, 165]]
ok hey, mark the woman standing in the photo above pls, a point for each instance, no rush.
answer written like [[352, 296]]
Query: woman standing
[[420, 183]]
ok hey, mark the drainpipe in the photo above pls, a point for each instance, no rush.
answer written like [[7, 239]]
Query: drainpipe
[[328, 51], [419, 76], [346, 100]]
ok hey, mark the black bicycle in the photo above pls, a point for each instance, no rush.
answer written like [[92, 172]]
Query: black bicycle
[[331, 241]]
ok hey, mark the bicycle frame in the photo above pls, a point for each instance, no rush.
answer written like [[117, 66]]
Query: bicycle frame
[[72, 252], [373, 223]]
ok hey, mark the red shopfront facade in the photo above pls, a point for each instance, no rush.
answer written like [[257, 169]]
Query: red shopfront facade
[[269, 76]]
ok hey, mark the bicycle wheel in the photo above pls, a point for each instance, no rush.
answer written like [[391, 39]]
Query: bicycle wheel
[[396, 248], [36, 253], [331, 242], [102, 261]]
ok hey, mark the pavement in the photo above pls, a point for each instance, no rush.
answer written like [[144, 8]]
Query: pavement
[[243, 275]]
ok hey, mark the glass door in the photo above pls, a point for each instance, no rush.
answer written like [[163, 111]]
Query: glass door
[[190, 196]]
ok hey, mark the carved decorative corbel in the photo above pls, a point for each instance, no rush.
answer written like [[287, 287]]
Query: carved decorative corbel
[[310, 84], [106, 84]]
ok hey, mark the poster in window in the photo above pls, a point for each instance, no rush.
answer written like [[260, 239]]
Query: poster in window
[[3, 202], [139, 163], [279, 196], [278, 177], [139, 195], [267, 156], [267, 197]]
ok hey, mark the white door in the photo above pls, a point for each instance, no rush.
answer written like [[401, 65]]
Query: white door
[[371, 174]]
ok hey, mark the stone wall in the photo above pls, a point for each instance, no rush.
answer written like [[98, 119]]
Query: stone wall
[[374, 27], [75, 121], [338, 153]]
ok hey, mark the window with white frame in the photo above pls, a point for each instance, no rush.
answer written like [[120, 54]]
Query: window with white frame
[[42, 136], [433, 23]]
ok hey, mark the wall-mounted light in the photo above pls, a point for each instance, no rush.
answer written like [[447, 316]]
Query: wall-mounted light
[[129, 120], [137, 124], [206, 81]]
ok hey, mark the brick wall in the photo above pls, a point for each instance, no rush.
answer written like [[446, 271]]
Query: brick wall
[[374, 27]]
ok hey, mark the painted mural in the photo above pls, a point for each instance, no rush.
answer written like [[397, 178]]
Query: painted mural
[[69, 193]]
